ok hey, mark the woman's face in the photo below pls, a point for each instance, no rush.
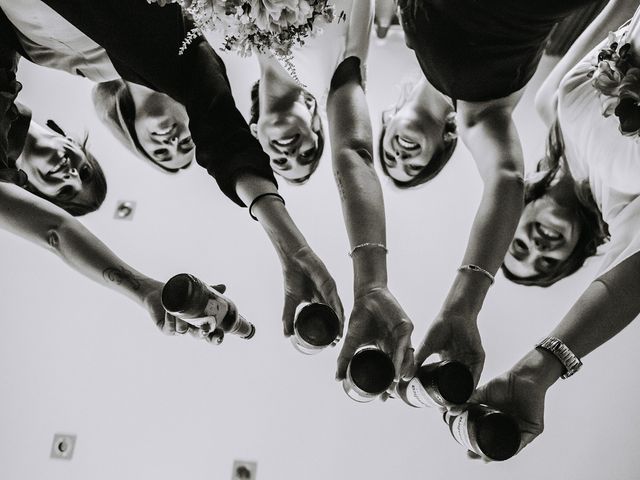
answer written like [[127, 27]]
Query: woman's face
[[409, 144], [290, 139], [162, 129], [546, 236], [57, 167]]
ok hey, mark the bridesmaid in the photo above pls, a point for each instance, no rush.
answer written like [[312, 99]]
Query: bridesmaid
[[481, 54], [225, 146], [285, 115], [597, 114]]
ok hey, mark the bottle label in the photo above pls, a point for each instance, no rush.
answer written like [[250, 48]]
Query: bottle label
[[417, 395], [217, 309], [459, 426]]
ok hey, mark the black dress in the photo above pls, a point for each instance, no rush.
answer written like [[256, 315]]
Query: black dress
[[478, 50], [142, 42]]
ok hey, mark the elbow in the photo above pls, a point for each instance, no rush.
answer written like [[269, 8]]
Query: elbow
[[507, 182]]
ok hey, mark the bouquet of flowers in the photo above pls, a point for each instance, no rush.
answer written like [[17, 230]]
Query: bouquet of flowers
[[267, 26], [616, 77]]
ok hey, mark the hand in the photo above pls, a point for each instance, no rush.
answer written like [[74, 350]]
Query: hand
[[454, 338], [162, 3], [151, 297], [521, 396], [306, 279], [377, 318]]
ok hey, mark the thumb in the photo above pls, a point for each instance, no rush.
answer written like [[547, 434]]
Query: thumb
[[425, 350]]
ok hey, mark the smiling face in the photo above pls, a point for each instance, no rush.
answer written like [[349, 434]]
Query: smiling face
[[409, 144], [291, 139], [161, 126], [546, 236], [57, 167]]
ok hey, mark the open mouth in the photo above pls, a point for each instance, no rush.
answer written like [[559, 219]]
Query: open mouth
[[61, 165], [164, 131], [546, 232], [407, 144], [286, 141]]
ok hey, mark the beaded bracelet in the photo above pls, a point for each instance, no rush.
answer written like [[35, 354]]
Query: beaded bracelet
[[475, 268], [255, 200], [369, 244]]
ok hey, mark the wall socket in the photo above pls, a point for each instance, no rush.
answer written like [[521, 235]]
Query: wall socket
[[63, 446], [244, 470]]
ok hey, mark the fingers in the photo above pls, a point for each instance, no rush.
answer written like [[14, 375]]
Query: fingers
[[348, 349], [181, 327], [215, 337], [408, 368], [168, 327], [402, 348], [220, 288], [288, 314], [328, 292], [424, 351]]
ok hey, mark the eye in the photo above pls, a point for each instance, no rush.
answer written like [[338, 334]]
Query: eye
[[187, 144], [389, 159], [414, 168], [279, 161], [86, 172], [520, 246], [161, 154], [306, 155]]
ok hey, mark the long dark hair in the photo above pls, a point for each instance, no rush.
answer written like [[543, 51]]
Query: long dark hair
[[593, 229], [438, 160]]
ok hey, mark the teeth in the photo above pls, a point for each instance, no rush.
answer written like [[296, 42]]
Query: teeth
[[286, 141], [548, 232], [406, 143]]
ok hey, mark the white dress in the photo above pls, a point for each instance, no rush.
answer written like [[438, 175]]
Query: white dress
[[51, 41], [347, 36], [596, 151]]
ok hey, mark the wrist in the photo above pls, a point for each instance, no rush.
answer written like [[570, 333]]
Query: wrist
[[539, 366], [466, 295], [369, 270]]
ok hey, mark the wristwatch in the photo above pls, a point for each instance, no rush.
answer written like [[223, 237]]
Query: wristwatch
[[556, 347]]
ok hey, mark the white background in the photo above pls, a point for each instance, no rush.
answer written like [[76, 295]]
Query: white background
[[77, 358]]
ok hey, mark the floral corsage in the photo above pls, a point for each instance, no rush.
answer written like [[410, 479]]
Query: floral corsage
[[617, 79]]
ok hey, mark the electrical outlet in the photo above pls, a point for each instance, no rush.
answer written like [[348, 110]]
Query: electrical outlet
[[63, 445], [125, 210], [244, 470]]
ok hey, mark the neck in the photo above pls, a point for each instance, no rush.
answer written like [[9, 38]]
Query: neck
[[278, 91], [139, 94], [427, 101]]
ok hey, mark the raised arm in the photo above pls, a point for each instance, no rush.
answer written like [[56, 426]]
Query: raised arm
[[50, 227], [376, 314], [489, 133], [607, 306], [614, 14]]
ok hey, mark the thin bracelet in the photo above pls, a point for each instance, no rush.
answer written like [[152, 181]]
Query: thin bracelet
[[369, 244], [475, 268], [262, 195]]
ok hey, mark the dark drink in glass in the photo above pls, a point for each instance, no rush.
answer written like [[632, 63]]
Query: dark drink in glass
[[442, 384], [315, 327], [486, 431], [190, 299], [370, 373]]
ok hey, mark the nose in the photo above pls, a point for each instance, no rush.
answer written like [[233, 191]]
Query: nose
[[72, 172], [172, 141], [542, 244], [401, 155]]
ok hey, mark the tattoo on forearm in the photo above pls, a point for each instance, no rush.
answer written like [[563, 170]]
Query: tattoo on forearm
[[120, 276], [340, 186]]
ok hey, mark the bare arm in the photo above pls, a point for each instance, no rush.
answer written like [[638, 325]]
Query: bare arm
[[50, 227], [489, 133], [608, 305], [376, 314], [614, 14]]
